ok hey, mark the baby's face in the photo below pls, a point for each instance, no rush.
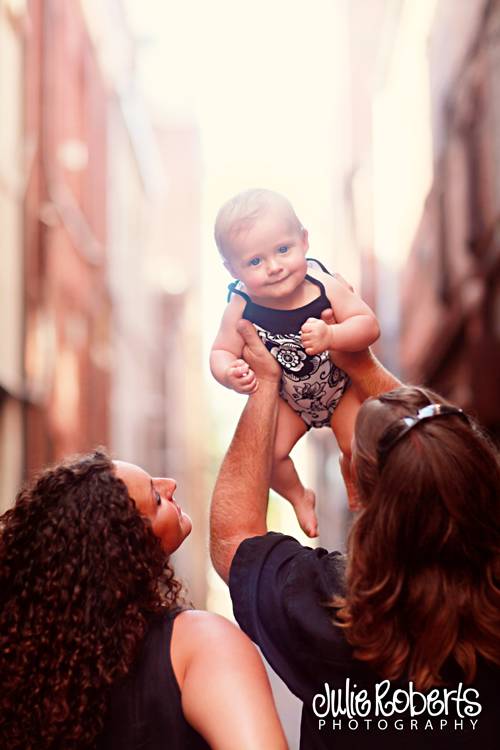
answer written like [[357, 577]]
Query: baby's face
[[269, 257]]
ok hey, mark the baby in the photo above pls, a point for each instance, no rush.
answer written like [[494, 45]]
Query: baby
[[283, 294]]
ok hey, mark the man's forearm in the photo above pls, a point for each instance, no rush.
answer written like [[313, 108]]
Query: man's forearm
[[239, 502], [368, 375]]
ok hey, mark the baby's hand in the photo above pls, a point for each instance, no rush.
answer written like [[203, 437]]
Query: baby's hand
[[240, 377], [315, 336]]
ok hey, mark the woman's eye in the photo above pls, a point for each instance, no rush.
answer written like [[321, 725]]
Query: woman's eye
[[157, 497], [283, 249], [255, 261]]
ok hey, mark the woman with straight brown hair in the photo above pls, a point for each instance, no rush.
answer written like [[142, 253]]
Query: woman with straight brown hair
[[428, 481], [397, 643]]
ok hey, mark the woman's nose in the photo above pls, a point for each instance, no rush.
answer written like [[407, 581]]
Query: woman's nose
[[171, 485], [167, 484]]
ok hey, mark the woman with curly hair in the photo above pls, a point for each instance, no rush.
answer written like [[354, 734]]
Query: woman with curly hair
[[97, 649], [397, 643]]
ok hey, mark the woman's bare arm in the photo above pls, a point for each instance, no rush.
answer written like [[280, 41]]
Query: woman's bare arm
[[225, 691]]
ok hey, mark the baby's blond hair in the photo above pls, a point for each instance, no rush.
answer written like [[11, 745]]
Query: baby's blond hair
[[242, 210]]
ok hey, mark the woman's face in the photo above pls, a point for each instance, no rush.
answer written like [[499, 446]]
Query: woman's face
[[154, 498]]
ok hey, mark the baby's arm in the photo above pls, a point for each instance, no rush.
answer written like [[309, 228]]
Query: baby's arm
[[225, 357], [356, 327]]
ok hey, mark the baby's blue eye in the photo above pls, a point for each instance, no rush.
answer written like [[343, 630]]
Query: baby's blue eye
[[283, 249], [157, 497], [255, 261]]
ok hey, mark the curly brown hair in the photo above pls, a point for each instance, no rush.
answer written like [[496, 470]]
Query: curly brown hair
[[424, 553], [81, 577]]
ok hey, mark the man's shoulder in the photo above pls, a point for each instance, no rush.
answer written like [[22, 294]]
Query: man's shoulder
[[298, 571]]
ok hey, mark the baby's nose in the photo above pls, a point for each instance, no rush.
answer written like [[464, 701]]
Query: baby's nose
[[273, 265]]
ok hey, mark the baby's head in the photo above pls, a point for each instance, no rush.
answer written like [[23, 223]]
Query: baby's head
[[262, 243], [243, 211]]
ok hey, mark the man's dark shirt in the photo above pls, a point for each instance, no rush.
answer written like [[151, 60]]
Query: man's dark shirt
[[280, 592]]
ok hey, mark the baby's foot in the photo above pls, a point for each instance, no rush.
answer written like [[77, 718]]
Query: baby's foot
[[306, 515]]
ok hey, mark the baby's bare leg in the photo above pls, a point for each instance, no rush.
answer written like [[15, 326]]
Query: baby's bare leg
[[284, 477], [342, 424]]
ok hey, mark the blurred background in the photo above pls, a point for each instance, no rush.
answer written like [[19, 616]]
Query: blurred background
[[126, 124]]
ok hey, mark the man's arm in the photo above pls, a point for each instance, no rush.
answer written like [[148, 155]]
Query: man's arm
[[368, 375], [240, 497], [239, 501]]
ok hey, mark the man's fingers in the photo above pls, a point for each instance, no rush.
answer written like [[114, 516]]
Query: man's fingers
[[255, 353], [341, 279], [327, 316], [248, 333], [352, 496]]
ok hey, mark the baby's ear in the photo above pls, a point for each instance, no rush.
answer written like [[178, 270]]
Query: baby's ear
[[305, 238]]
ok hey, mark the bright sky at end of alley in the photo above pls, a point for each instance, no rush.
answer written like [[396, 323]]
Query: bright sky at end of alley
[[263, 82]]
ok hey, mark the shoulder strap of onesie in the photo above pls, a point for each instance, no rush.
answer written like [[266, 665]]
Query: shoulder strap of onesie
[[320, 264], [233, 289], [318, 283]]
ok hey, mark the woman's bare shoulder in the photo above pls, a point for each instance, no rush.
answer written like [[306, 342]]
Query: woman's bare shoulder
[[195, 625], [197, 634], [198, 621]]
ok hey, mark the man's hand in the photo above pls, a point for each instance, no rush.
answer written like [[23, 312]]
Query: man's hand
[[315, 336], [350, 484], [341, 279], [255, 354], [368, 376], [240, 377]]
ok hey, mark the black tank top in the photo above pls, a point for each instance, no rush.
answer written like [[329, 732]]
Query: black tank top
[[146, 711], [284, 321]]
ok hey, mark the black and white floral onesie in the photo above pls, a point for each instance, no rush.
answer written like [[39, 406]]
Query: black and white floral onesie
[[311, 384]]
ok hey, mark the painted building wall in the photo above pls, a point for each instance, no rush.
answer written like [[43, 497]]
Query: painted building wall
[[12, 169]]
